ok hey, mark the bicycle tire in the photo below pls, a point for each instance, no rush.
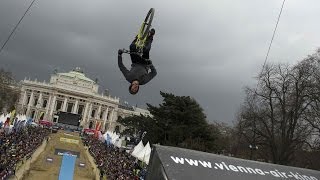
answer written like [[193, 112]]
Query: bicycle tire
[[148, 22]]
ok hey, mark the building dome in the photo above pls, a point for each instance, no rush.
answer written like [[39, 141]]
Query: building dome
[[77, 73]]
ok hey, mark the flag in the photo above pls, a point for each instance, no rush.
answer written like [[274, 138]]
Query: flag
[[41, 114], [108, 140], [98, 125], [29, 121], [12, 115], [7, 122], [15, 123]]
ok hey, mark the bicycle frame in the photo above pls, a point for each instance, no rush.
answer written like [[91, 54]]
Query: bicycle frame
[[140, 42], [139, 54]]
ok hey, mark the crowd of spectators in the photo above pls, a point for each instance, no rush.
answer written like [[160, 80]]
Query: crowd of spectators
[[18, 145], [114, 163]]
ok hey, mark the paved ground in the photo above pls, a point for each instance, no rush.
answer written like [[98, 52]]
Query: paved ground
[[41, 169]]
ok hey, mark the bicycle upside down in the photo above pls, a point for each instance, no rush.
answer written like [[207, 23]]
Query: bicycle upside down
[[139, 52]]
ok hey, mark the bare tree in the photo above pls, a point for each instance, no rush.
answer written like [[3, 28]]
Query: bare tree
[[313, 112], [272, 115], [8, 92]]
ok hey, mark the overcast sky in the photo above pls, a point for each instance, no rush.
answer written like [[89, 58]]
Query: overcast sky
[[207, 49]]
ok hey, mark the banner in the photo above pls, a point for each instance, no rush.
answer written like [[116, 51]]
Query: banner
[[67, 140], [60, 152], [177, 163]]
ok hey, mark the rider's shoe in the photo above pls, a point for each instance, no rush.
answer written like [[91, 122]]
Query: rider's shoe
[[150, 35], [152, 32]]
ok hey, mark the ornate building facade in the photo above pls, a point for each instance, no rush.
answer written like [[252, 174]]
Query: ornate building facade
[[75, 93]]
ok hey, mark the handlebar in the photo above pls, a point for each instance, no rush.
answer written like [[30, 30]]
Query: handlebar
[[137, 53]]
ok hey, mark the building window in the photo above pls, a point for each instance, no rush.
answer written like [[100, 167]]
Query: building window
[[28, 100], [90, 124], [101, 115], [70, 106], [32, 114], [93, 113], [80, 109], [55, 119], [59, 104], [107, 117], [117, 129], [42, 116], [44, 104], [35, 102]]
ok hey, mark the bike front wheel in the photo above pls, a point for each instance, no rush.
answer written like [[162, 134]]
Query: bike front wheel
[[147, 24]]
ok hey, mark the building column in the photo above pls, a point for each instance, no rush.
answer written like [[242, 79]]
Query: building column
[[105, 118], [48, 106], [98, 113], [75, 107], [84, 117], [64, 107], [29, 104], [89, 112], [52, 105], [24, 98], [39, 103], [110, 118], [105, 114]]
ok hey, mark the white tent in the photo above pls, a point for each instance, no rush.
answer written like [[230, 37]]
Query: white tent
[[144, 154], [2, 118], [21, 117], [114, 138], [137, 149], [34, 124], [8, 115], [118, 143]]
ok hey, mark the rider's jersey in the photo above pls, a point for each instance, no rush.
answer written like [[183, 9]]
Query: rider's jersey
[[137, 72]]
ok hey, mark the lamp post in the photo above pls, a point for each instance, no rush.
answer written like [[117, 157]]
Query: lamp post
[[252, 147], [251, 140], [143, 134]]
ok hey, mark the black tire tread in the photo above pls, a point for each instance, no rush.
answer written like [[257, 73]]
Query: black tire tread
[[150, 17]]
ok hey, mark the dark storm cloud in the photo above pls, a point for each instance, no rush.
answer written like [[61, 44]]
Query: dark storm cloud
[[207, 49]]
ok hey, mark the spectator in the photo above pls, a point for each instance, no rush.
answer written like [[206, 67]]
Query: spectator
[[112, 162], [17, 145]]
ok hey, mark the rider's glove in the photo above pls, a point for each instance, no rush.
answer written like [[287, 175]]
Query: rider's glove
[[120, 52]]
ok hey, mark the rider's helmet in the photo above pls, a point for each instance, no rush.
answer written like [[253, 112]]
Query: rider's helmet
[[152, 31]]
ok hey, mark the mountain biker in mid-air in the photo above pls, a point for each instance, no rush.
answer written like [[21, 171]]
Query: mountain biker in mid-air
[[139, 73]]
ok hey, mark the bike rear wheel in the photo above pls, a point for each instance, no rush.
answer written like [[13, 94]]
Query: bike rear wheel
[[147, 24]]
